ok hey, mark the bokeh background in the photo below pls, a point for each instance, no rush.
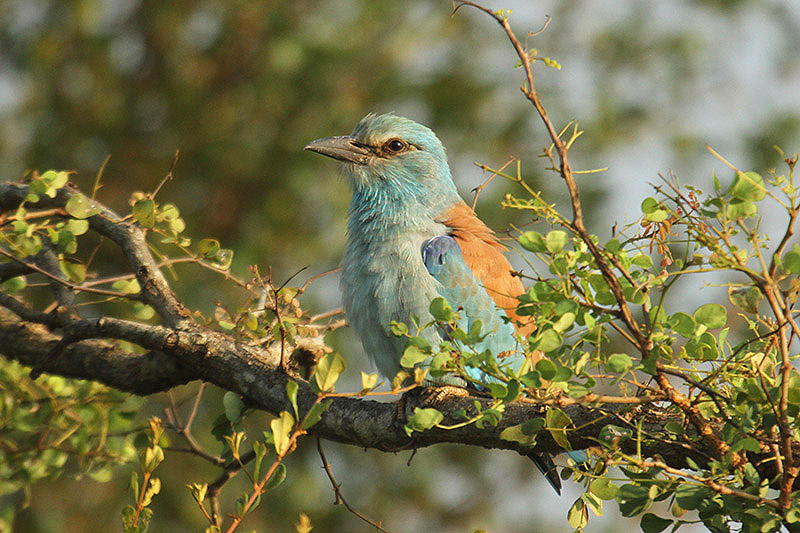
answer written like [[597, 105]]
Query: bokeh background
[[240, 86]]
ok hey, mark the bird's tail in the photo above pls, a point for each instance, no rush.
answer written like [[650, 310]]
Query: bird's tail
[[544, 462]]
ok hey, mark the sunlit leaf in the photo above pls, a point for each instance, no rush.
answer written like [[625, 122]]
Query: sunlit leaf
[[144, 212], [533, 241], [711, 315], [748, 186], [233, 405], [422, 419], [328, 370], [281, 428], [557, 421], [79, 206], [556, 240]]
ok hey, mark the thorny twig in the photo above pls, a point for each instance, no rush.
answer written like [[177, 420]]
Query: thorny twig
[[338, 492]]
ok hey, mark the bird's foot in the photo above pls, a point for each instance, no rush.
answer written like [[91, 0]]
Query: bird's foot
[[434, 395], [427, 397]]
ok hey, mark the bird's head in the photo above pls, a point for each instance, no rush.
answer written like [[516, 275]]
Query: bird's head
[[389, 153]]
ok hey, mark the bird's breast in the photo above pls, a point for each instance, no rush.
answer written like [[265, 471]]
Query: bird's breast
[[384, 279]]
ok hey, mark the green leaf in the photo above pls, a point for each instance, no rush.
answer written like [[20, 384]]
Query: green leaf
[[315, 413], [398, 329], [126, 286], [328, 370], [151, 458], [260, 449], [291, 392], [276, 478], [208, 248], [74, 271], [222, 259], [368, 380], [557, 422], [691, 496], [532, 241], [15, 284], [233, 405], [234, 442], [748, 186], [412, 356], [143, 311], [497, 390], [512, 390], [740, 209], [578, 515], [791, 261], [59, 180], [746, 298], [547, 341], [633, 499], [198, 490], [643, 261], [556, 240], [593, 502], [649, 205], [711, 315], [751, 474], [533, 379], [516, 434], [79, 206], [564, 322], [619, 363], [610, 435], [77, 227], [422, 419], [144, 211], [546, 369], [441, 310], [281, 427], [653, 210], [659, 215], [603, 488], [674, 428], [683, 324], [613, 246], [654, 524], [227, 325], [562, 374]]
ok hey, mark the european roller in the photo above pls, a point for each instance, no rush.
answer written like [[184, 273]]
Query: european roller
[[410, 239]]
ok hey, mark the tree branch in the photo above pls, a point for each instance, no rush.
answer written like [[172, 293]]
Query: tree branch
[[180, 351]]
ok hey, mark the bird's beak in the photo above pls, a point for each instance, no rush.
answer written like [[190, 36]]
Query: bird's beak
[[343, 148]]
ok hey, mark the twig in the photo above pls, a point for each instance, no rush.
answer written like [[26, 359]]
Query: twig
[[168, 176], [327, 314], [65, 283], [710, 483], [338, 493], [213, 459], [215, 487], [477, 190]]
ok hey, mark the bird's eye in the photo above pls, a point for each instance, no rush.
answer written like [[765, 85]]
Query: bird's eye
[[395, 146]]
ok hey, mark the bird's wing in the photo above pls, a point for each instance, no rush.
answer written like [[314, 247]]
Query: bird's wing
[[484, 256], [459, 286], [444, 260]]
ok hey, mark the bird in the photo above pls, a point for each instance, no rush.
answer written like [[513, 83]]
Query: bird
[[411, 238]]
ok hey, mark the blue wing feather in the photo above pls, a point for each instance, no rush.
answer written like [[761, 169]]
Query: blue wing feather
[[459, 286]]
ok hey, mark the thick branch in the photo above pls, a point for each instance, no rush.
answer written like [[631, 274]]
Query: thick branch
[[180, 356], [30, 343], [181, 351]]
